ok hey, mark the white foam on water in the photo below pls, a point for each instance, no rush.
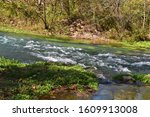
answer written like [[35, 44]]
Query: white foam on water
[[136, 57], [139, 64], [106, 55], [11, 38], [123, 69], [102, 64], [29, 42], [110, 58], [21, 39], [94, 58], [1, 37], [32, 45], [120, 69], [51, 47], [126, 70], [51, 53], [28, 46], [5, 40], [80, 54], [9, 41], [54, 59], [48, 46], [120, 61], [117, 60], [66, 60], [147, 55], [72, 48], [64, 52]]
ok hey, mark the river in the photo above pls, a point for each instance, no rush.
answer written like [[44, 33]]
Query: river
[[105, 60]]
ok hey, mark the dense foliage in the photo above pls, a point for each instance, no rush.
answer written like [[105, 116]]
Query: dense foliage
[[31, 81], [117, 19]]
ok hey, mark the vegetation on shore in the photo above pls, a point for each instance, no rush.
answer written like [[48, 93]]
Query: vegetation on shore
[[67, 21], [97, 20], [32, 81], [139, 79]]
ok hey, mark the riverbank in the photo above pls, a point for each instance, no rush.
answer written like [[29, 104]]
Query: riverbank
[[137, 79], [48, 80], [131, 45], [44, 80]]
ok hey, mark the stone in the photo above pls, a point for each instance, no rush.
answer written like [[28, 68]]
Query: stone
[[128, 79], [102, 79], [139, 83]]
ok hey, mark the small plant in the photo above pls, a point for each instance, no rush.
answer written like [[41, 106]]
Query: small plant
[[145, 78]]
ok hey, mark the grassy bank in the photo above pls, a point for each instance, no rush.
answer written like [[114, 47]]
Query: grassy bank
[[33, 81], [132, 45], [139, 79], [41, 34], [140, 45]]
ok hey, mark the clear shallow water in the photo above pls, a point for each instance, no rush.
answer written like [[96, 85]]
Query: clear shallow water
[[122, 92], [105, 60]]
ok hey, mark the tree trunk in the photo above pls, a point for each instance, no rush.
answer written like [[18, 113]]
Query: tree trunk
[[144, 13], [44, 16]]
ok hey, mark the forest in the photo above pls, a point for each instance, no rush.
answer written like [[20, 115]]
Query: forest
[[88, 19]]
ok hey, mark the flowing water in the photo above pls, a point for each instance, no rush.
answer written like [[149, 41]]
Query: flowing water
[[106, 61]]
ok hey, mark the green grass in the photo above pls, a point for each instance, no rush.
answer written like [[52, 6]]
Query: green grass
[[143, 78], [30, 81], [139, 45]]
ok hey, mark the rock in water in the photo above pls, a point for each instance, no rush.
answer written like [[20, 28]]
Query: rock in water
[[128, 79], [102, 79]]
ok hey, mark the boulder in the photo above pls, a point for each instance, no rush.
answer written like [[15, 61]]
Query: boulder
[[102, 79], [128, 79], [124, 78]]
